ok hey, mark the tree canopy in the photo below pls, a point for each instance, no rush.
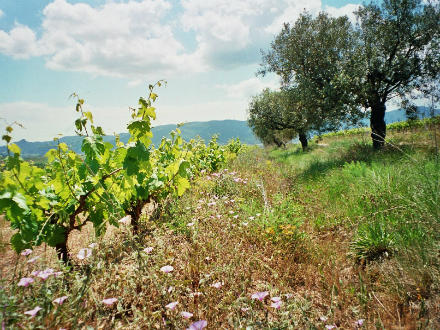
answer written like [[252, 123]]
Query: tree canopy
[[338, 71], [397, 51]]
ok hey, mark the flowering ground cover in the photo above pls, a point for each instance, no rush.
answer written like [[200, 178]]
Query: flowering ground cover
[[278, 239]]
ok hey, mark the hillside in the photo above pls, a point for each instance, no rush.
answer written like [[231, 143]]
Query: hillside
[[339, 236], [225, 129]]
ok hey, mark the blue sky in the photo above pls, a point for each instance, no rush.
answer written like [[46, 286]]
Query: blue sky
[[108, 51]]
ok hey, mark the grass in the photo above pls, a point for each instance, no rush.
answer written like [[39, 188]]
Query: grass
[[339, 233]]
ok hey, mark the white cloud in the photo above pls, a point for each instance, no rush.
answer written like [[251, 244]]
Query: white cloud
[[1, 13], [347, 10], [247, 88], [20, 42], [136, 39], [215, 110], [291, 11], [231, 33], [43, 122], [117, 39]]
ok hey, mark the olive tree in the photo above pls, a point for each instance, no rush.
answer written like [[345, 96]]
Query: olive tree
[[311, 57], [275, 118], [397, 52]]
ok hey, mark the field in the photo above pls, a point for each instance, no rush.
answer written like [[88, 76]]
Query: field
[[339, 236]]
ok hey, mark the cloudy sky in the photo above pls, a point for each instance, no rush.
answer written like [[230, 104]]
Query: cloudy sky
[[109, 51]]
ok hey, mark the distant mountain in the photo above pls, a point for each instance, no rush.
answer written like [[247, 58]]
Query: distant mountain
[[400, 115], [225, 129]]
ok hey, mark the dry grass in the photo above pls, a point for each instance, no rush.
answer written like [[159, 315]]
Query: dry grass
[[208, 237]]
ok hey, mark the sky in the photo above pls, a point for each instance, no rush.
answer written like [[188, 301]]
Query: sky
[[108, 51]]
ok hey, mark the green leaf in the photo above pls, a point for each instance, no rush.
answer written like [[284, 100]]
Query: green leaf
[[89, 116], [5, 199], [138, 128], [14, 148], [18, 243], [135, 155], [147, 111], [20, 200], [13, 162], [92, 147], [63, 147], [6, 138], [51, 155], [184, 165], [97, 217], [78, 124], [182, 185], [97, 130]]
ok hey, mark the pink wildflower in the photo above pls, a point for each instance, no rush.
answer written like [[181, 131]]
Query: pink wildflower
[[260, 295], [217, 285], [323, 318], [167, 269], [45, 273], [26, 252], [190, 224], [276, 299], [245, 309], [360, 322], [172, 306], [109, 301], [199, 325], [93, 245], [330, 326], [25, 281], [186, 315], [235, 216], [36, 272], [148, 249], [60, 300], [34, 311], [84, 253], [125, 220], [276, 304]]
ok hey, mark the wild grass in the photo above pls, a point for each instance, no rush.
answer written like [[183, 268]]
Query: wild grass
[[342, 235]]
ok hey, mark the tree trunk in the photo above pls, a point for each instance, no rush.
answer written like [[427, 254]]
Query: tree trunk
[[62, 252], [135, 213], [303, 140], [377, 123], [278, 143]]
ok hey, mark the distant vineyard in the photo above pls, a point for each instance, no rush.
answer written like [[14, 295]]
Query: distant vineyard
[[397, 126]]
